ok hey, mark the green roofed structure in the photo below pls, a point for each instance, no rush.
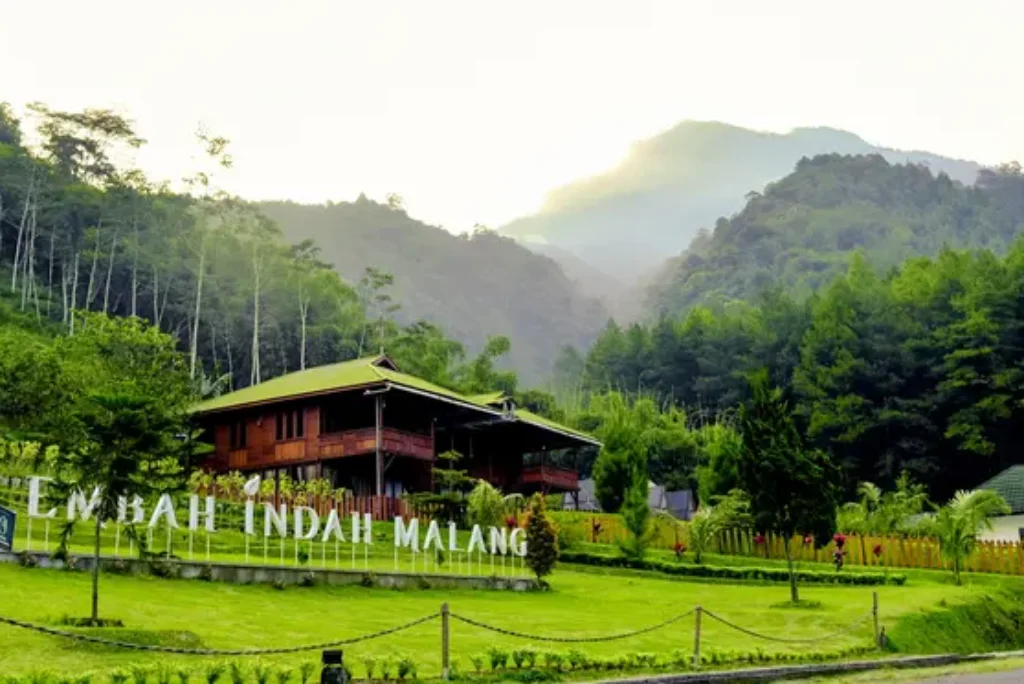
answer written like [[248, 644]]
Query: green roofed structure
[[1010, 485], [366, 426]]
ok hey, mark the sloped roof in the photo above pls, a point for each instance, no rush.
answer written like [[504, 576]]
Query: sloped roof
[[368, 372], [1010, 485]]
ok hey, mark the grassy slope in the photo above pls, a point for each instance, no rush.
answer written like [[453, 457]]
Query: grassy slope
[[579, 604]]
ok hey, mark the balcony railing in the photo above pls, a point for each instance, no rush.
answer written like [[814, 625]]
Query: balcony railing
[[364, 441], [548, 478], [327, 446]]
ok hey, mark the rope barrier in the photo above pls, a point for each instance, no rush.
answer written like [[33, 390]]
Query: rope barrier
[[570, 640], [846, 630], [214, 651]]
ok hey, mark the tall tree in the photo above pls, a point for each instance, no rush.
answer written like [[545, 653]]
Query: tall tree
[[793, 489]]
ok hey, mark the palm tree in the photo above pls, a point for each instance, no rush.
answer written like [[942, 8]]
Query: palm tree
[[958, 523], [703, 528], [885, 513], [861, 516]]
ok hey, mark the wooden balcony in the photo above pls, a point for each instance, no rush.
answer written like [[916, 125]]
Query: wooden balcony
[[328, 446], [549, 478], [364, 441]]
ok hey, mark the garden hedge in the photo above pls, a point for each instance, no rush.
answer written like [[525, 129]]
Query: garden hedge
[[732, 573]]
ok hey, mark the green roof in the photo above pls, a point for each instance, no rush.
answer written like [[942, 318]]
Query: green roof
[[547, 423], [317, 380], [489, 399], [1010, 485], [369, 371]]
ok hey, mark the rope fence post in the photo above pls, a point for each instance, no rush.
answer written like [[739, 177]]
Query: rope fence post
[[874, 616], [696, 637], [445, 642]]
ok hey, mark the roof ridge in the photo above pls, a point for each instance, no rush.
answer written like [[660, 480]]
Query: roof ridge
[[376, 369]]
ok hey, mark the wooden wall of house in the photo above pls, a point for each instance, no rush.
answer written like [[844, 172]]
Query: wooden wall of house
[[311, 430]]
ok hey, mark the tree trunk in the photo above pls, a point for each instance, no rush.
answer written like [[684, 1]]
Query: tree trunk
[[794, 596], [156, 297], [254, 375], [28, 263], [303, 315], [96, 571], [34, 287], [110, 271], [74, 296], [90, 291], [163, 303], [231, 364], [49, 274], [64, 292], [135, 269], [194, 350], [21, 233]]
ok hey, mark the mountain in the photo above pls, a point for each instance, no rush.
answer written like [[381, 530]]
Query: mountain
[[803, 230], [627, 220], [471, 285]]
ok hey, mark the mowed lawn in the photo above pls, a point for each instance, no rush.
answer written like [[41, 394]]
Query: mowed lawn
[[579, 604]]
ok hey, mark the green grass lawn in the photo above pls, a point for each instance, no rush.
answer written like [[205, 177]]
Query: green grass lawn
[[579, 603]]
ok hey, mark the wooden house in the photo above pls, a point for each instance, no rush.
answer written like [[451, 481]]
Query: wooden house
[[376, 431]]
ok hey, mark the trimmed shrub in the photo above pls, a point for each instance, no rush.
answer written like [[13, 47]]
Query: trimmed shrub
[[742, 573]]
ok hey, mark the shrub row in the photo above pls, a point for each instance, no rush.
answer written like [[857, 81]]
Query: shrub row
[[524, 665], [731, 573]]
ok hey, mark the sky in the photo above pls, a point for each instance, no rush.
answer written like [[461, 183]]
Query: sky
[[473, 110]]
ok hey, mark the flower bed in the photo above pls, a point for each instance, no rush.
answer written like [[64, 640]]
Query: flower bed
[[732, 573]]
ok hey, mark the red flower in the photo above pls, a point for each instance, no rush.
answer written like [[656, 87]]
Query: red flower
[[595, 526], [809, 539], [511, 522], [839, 539], [679, 548], [759, 540], [877, 550]]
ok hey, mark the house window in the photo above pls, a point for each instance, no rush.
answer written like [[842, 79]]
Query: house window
[[238, 435], [289, 425]]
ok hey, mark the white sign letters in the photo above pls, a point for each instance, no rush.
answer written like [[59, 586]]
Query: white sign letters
[[306, 522]]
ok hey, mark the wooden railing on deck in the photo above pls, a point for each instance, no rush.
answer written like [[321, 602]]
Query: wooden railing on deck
[[550, 477]]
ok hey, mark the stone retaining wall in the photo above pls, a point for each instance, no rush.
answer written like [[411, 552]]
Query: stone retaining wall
[[270, 574]]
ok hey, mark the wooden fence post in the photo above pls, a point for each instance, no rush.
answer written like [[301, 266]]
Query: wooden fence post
[[874, 615], [696, 638], [445, 643]]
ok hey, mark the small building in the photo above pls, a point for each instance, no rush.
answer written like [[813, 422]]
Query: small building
[[366, 426], [679, 504], [1010, 485]]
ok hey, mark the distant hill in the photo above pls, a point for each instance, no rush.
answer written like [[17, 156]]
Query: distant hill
[[803, 230], [628, 220], [473, 286]]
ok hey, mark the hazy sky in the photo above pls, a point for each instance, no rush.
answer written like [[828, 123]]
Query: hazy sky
[[473, 110]]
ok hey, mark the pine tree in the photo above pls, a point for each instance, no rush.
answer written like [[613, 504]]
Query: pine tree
[[541, 539], [793, 489]]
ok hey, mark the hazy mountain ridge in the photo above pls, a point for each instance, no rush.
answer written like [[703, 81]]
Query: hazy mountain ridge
[[628, 220], [803, 230], [471, 285]]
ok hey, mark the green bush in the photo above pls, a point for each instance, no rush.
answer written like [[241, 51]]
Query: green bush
[[211, 673], [406, 668], [370, 666], [732, 573], [497, 657]]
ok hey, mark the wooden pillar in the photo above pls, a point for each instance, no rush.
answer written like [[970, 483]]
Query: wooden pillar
[[378, 454]]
